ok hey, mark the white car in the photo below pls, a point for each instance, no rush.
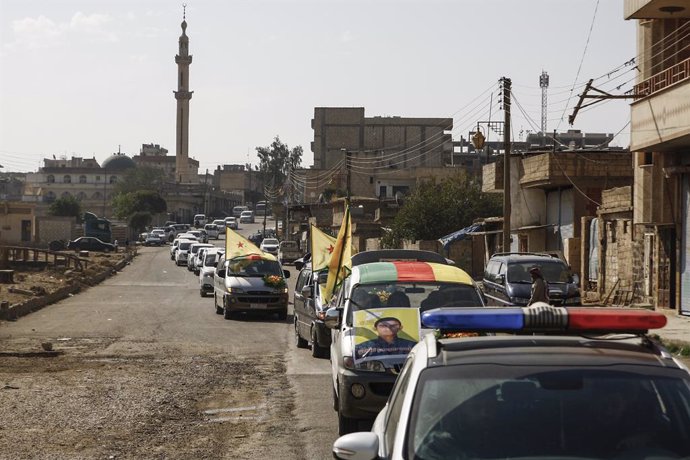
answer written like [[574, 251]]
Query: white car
[[556, 383], [247, 217], [231, 223], [183, 252], [212, 230], [193, 251], [207, 269], [270, 245]]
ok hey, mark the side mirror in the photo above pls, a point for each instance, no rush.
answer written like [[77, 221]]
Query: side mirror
[[500, 279], [360, 446], [306, 292], [299, 264], [221, 273], [332, 319], [286, 273]]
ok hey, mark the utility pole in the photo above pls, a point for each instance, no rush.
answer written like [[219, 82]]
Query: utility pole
[[348, 170], [505, 84]]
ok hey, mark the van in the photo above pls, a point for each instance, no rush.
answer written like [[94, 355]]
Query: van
[[507, 281], [388, 284], [212, 230], [251, 283], [199, 220], [237, 211]]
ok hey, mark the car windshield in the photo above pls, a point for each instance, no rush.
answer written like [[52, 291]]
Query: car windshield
[[270, 241], [210, 260], [487, 411], [254, 267], [424, 296], [554, 271], [184, 245]]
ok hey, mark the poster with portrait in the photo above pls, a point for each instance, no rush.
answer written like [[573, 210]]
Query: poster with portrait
[[385, 334]]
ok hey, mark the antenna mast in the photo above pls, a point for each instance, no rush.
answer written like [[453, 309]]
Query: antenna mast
[[544, 85]]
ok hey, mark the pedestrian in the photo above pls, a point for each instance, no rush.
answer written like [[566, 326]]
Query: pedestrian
[[540, 288]]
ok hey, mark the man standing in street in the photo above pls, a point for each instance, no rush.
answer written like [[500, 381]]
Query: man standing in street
[[540, 288]]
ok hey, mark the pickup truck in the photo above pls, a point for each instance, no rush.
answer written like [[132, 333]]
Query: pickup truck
[[288, 251]]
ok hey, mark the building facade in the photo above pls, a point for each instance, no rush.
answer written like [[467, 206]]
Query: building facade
[[660, 142]]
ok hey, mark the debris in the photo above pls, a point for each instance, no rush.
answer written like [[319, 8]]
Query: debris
[[47, 346]]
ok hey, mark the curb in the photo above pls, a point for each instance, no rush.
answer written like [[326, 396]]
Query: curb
[[34, 304]]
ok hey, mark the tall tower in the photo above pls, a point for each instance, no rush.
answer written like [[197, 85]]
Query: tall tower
[[183, 95], [544, 84]]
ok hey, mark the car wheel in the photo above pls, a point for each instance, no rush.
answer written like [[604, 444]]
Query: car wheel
[[219, 310], [227, 313], [346, 424], [318, 351], [202, 293], [299, 341], [335, 400]]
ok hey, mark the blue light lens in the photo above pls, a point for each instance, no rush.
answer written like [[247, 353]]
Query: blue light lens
[[474, 319]]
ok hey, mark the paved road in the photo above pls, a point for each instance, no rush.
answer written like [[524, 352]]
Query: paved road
[[156, 305]]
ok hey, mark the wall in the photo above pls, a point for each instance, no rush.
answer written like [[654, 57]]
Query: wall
[[51, 228]]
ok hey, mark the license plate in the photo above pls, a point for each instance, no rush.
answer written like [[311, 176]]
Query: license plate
[[257, 306]]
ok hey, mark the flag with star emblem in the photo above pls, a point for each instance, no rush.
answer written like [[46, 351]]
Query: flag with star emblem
[[236, 245], [322, 246], [340, 264]]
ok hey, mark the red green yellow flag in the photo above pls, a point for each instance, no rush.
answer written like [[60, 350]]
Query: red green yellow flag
[[236, 245], [340, 264], [322, 246]]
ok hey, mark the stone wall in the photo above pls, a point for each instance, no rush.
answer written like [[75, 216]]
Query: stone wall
[[50, 228]]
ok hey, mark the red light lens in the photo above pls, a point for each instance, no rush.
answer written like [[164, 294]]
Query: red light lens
[[614, 319]]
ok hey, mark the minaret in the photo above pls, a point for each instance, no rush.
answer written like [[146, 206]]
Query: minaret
[[183, 95]]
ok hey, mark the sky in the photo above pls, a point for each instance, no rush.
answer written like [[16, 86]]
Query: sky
[[93, 77]]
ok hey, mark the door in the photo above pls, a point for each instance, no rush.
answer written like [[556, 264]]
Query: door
[[685, 250], [26, 230]]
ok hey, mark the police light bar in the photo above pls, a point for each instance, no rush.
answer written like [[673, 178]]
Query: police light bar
[[544, 318]]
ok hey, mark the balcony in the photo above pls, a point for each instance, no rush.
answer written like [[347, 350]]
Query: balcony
[[548, 170], [659, 119]]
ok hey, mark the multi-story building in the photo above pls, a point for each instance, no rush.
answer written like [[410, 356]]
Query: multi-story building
[[386, 155], [239, 180], [660, 142], [155, 156], [82, 178]]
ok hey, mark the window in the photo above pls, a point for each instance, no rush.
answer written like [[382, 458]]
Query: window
[[81, 196], [50, 179], [66, 195], [82, 179], [113, 179], [396, 402], [67, 179], [50, 196], [97, 196]]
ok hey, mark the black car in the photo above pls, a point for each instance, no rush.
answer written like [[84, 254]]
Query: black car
[[507, 280], [153, 240], [89, 243], [310, 312]]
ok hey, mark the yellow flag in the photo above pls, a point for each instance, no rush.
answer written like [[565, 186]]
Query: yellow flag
[[322, 246], [236, 245], [340, 264]]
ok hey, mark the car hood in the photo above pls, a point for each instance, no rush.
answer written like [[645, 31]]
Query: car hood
[[249, 284]]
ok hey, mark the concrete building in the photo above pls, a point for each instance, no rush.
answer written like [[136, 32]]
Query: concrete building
[[93, 185], [239, 180], [386, 155], [552, 191], [660, 142]]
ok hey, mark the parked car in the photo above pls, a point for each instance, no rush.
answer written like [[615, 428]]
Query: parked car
[[407, 280], [270, 245], [247, 217], [310, 311], [253, 283], [212, 230], [90, 243], [571, 383], [153, 239], [507, 280], [288, 251]]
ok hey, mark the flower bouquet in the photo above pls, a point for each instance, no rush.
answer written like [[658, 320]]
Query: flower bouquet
[[274, 281]]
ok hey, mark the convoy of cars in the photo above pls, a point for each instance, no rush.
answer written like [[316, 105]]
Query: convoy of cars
[[414, 348]]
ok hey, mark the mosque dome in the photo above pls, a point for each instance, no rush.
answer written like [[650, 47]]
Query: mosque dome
[[118, 162]]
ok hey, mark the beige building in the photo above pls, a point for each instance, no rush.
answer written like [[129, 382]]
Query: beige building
[[17, 223], [240, 181], [386, 155], [660, 142], [155, 156], [93, 185]]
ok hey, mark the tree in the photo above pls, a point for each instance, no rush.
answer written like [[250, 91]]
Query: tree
[[140, 179], [66, 206], [127, 204], [139, 220], [277, 160], [437, 209]]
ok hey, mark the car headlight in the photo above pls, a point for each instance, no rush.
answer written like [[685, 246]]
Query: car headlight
[[234, 290], [368, 366]]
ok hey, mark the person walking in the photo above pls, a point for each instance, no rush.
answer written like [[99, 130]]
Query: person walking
[[540, 288]]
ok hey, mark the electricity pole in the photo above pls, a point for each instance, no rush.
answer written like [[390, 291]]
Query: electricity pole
[[505, 84]]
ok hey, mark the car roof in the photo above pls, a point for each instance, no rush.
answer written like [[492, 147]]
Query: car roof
[[387, 255], [550, 350], [526, 257], [398, 271]]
